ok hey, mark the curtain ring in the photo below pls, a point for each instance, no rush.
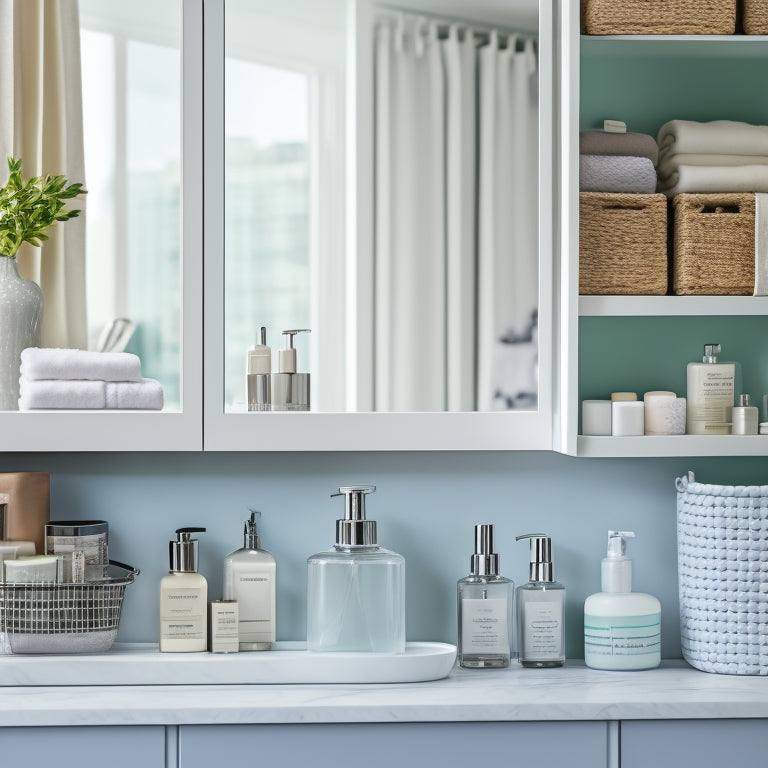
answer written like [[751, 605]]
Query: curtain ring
[[419, 36], [530, 54]]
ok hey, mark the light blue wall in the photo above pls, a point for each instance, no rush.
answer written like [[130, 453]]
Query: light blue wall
[[426, 506]]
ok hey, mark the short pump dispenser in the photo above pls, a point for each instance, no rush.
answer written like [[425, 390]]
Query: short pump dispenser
[[183, 597], [622, 628], [485, 600], [541, 609], [356, 590], [249, 578], [290, 390]]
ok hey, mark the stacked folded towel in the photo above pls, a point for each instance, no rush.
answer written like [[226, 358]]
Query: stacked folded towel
[[718, 156], [617, 162], [76, 379]]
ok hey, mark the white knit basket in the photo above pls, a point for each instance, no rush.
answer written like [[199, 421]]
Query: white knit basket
[[722, 547]]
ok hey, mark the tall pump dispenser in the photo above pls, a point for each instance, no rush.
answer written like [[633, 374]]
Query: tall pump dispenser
[[711, 387], [258, 370], [249, 578], [290, 390], [356, 589], [183, 597], [541, 609], [485, 600], [622, 628]]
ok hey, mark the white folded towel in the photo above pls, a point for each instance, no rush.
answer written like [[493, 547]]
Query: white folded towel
[[670, 162], [37, 394], [707, 178], [61, 364], [146, 394], [716, 137], [761, 244]]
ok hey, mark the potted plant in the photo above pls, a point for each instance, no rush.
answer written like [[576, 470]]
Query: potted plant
[[27, 210]]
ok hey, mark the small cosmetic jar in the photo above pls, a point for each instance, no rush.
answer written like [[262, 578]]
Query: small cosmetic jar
[[596, 417], [69, 538], [627, 418], [664, 413]]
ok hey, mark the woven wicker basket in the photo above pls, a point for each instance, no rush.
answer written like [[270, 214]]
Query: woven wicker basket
[[660, 17], [622, 244], [714, 244], [722, 553], [755, 17]]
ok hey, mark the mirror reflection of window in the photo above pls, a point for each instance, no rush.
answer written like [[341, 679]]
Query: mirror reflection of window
[[131, 122]]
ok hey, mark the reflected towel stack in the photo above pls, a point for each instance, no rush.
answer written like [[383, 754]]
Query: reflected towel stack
[[617, 162], [75, 379]]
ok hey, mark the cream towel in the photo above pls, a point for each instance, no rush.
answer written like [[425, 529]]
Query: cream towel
[[43, 394], [707, 178], [146, 394], [717, 137], [669, 162], [54, 363], [761, 244]]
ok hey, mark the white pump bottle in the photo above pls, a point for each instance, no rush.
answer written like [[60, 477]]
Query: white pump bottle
[[622, 628]]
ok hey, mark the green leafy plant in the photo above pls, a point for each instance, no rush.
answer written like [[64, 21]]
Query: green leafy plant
[[29, 208]]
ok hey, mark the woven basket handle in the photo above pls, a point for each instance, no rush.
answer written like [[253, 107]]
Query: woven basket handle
[[682, 482]]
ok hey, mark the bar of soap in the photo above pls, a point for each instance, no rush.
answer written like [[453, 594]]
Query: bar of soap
[[627, 418], [35, 569], [623, 396], [596, 417]]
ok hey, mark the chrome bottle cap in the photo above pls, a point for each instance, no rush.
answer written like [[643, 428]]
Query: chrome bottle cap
[[711, 351], [250, 534], [540, 568], [485, 562], [183, 551], [354, 529]]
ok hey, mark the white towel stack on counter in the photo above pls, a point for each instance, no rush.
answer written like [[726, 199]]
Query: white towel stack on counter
[[718, 156], [74, 379]]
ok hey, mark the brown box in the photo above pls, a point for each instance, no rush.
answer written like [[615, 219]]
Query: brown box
[[25, 507], [659, 17], [755, 17], [714, 244], [622, 244]]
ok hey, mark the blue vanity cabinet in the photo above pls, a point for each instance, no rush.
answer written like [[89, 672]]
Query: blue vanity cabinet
[[382, 745], [703, 743]]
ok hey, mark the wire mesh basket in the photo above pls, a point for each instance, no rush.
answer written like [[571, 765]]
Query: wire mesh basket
[[64, 618]]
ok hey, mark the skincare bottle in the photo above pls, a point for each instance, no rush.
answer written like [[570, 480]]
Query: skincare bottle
[[622, 628], [184, 597], [249, 578], [356, 590], [485, 601], [541, 609], [710, 394], [258, 368], [290, 390], [745, 419]]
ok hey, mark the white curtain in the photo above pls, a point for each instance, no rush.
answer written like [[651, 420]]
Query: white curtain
[[41, 121], [432, 288]]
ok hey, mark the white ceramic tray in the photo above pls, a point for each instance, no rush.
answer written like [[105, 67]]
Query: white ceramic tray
[[288, 662]]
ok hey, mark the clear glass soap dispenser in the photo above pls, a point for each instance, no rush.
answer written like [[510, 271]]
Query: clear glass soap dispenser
[[541, 609], [485, 608], [356, 590]]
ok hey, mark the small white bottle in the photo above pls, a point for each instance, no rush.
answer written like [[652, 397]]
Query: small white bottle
[[711, 386], [541, 609], [622, 628], [184, 598], [258, 367], [249, 578], [485, 601], [745, 419]]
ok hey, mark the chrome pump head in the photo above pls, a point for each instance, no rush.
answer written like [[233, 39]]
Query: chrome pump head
[[354, 529], [485, 562], [183, 551], [540, 568], [250, 534]]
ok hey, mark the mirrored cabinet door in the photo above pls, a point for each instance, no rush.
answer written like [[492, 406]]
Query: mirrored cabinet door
[[118, 108], [378, 225]]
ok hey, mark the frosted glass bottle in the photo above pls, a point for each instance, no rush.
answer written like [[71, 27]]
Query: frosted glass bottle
[[356, 589]]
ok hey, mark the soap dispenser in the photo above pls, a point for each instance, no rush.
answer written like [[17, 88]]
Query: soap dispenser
[[249, 578], [541, 609], [485, 608], [258, 369], [184, 597], [290, 390], [622, 628], [711, 387], [356, 590]]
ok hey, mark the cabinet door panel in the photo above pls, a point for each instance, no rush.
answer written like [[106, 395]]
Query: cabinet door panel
[[382, 745]]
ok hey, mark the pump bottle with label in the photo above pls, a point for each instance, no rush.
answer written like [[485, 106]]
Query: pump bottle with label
[[258, 368], [249, 578], [622, 628], [541, 609], [184, 597], [289, 390], [485, 608], [356, 590], [711, 387]]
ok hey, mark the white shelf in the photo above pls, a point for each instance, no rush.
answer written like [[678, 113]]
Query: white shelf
[[674, 46], [673, 445], [631, 306]]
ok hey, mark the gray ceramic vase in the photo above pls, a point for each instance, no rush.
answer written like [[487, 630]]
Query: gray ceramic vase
[[21, 310]]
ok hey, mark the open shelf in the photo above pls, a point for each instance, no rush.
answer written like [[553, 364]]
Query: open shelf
[[631, 306], [673, 445], [674, 46]]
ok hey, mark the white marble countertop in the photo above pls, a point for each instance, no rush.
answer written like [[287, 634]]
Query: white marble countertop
[[673, 691]]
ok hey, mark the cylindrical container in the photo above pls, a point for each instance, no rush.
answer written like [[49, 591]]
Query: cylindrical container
[[596, 417], [88, 536], [628, 418], [664, 413]]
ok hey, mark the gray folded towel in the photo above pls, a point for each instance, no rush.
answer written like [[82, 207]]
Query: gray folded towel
[[608, 173], [625, 144]]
